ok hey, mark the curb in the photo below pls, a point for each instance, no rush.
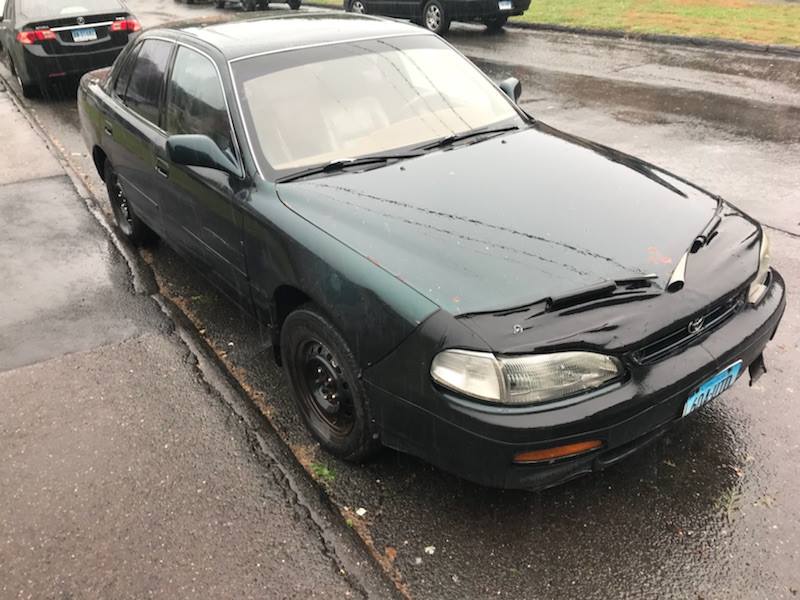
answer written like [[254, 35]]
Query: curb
[[657, 38]]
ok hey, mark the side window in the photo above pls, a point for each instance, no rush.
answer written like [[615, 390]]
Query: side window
[[144, 88], [125, 70], [196, 102]]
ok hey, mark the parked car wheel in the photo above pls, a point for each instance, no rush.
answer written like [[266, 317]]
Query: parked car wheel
[[129, 224], [294, 4], [220, 4], [435, 17], [29, 90], [323, 378], [495, 23], [357, 6], [249, 5]]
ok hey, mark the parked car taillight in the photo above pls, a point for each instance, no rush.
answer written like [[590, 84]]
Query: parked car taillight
[[37, 35], [130, 24]]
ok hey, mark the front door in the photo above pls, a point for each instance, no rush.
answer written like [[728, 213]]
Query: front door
[[202, 211]]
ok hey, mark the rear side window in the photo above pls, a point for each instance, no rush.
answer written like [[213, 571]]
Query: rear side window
[[196, 102], [143, 93]]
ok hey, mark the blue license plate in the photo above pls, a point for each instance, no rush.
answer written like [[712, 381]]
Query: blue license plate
[[713, 388], [84, 35]]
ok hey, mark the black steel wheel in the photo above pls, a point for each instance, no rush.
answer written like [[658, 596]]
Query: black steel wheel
[[323, 378], [129, 224]]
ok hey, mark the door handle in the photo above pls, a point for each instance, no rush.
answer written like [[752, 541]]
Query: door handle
[[162, 168], [108, 128]]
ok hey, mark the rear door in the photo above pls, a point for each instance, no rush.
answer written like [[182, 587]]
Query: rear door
[[202, 209], [136, 130]]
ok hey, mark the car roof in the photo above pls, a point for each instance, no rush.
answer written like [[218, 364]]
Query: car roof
[[236, 36]]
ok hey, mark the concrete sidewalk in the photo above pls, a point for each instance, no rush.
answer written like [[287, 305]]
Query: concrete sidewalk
[[123, 473]]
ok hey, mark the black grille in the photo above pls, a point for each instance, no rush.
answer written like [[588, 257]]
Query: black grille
[[680, 337]]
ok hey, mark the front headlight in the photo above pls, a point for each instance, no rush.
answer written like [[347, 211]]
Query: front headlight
[[759, 285], [520, 380]]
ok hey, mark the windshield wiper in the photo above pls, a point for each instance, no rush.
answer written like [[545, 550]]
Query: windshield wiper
[[458, 137], [345, 163]]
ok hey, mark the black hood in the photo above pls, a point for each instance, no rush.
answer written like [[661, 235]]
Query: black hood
[[510, 221]]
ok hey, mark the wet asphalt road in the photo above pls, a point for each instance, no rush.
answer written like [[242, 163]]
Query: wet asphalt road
[[711, 510]]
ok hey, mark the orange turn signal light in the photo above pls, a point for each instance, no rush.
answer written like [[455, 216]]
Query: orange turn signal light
[[545, 454]]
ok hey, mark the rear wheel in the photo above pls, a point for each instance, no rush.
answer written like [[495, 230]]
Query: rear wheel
[[357, 6], [294, 4], [129, 224], [495, 23], [29, 90], [435, 17], [325, 383], [220, 3]]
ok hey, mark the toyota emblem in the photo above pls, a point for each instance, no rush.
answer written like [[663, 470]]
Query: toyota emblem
[[81, 20], [696, 325]]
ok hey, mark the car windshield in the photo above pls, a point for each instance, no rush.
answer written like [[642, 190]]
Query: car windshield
[[42, 9], [311, 106]]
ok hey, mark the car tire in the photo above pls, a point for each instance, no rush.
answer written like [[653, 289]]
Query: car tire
[[248, 5], [435, 17], [128, 223], [220, 4], [294, 4], [325, 382], [495, 24], [29, 90], [357, 6]]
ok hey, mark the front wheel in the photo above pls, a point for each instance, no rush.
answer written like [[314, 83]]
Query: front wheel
[[495, 24], [435, 17], [129, 224], [325, 383], [294, 4], [220, 4]]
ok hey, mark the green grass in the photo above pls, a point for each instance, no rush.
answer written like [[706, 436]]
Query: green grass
[[758, 21], [322, 472]]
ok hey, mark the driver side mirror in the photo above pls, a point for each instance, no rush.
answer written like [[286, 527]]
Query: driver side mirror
[[512, 88], [199, 151]]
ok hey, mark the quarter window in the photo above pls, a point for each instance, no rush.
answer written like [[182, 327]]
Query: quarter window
[[143, 93], [125, 70], [196, 101]]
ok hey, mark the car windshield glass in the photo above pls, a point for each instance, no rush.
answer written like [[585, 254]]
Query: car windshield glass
[[43, 9], [312, 106]]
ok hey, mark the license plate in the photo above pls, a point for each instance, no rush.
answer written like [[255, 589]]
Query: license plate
[[84, 35], [713, 388], [505, 5]]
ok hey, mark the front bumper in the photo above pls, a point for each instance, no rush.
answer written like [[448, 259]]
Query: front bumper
[[478, 442], [40, 67]]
